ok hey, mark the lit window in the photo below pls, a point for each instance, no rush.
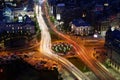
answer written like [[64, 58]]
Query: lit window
[[13, 28], [106, 4], [20, 27], [7, 31]]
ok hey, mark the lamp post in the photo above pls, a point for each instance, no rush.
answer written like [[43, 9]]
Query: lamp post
[[58, 17], [95, 34]]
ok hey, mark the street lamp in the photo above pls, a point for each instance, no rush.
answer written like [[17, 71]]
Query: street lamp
[[95, 35], [58, 17], [112, 28], [83, 15]]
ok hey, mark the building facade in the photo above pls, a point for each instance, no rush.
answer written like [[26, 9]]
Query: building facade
[[16, 34], [80, 27], [104, 26], [17, 26], [112, 43]]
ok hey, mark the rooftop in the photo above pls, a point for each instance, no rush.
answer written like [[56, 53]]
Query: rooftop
[[80, 22]]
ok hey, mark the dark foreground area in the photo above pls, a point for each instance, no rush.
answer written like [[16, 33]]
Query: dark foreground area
[[19, 70]]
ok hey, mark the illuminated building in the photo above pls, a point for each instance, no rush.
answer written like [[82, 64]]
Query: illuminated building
[[15, 29], [112, 43], [80, 27]]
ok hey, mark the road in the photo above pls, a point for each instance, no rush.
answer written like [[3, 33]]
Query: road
[[92, 63], [45, 47]]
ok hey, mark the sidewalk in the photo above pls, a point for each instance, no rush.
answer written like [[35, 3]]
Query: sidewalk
[[91, 76]]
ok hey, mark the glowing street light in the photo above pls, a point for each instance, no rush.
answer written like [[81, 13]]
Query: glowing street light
[[112, 28], [58, 16], [95, 35], [84, 15]]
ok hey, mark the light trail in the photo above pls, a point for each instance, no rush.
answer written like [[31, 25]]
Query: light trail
[[99, 71], [45, 48]]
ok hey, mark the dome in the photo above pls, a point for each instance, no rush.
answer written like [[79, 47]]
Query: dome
[[8, 15], [7, 11]]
